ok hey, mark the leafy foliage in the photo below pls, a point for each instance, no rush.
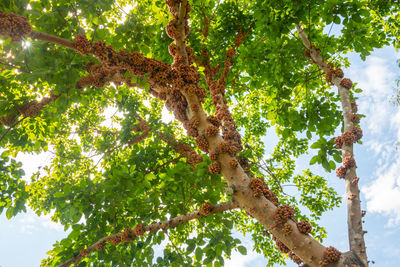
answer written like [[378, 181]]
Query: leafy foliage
[[98, 183]]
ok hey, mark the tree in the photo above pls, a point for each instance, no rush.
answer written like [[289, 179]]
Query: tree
[[228, 71]]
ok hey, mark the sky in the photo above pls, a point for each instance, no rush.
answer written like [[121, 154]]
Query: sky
[[25, 238]]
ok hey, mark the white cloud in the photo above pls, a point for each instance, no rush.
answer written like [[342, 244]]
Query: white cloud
[[377, 82], [383, 194], [381, 130], [29, 223]]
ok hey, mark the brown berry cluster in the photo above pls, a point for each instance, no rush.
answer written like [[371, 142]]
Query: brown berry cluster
[[346, 83], [287, 229], [98, 76], [82, 45], [214, 154], [338, 142], [257, 185], [295, 258], [211, 130], [223, 147], [331, 73], [217, 91], [268, 194], [160, 75], [244, 163], [128, 235], [8, 120], [357, 132], [194, 158], [339, 73], [282, 247], [185, 150], [191, 126], [304, 227], [84, 252], [202, 143], [100, 246], [331, 255], [229, 56], [352, 135], [283, 213], [215, 167], [307, 53], [141, 127], [214, 121], [355, 180], [139, 230], [341, 172], [115, 240], [354, 118], [14, 26], [348, 138], [354, 107], [206, 209], [194, 122], [349, 162], [260, 188], [233, 163], [30, 109]]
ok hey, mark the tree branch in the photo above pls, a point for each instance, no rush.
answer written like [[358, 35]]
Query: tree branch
[[152, 228], [348, 171], [52, 39]]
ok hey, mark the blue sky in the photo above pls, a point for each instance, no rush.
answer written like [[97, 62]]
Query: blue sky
[[26, 238]]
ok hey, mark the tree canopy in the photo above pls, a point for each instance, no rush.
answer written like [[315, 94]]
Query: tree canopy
[[88, 80]]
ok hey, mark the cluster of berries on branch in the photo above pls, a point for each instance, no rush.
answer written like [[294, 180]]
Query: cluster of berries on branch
[[183, 149], [30, 109], [14, 26]]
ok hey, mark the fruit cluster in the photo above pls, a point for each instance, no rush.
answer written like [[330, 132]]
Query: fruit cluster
[[260, 188], [349, 162], [115, 239], [100, 246], [14, 26], [84, 252], [206, 209], [283, 213], [304, 227], [331, 255], [128, 235], [295, 258], [287, 229], [282, 247], [215, 167], [352, 135], [141, 127], [139, 230]]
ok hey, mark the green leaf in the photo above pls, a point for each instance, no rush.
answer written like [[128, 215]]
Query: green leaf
[[337, 158], [314, 160], [190, 248], [150, 177], [198, 253], [332, 164], [316, 145], [10, 212], [242, 250]]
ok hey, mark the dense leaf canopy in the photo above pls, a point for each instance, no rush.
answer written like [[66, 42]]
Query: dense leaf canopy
[[107, 175]]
